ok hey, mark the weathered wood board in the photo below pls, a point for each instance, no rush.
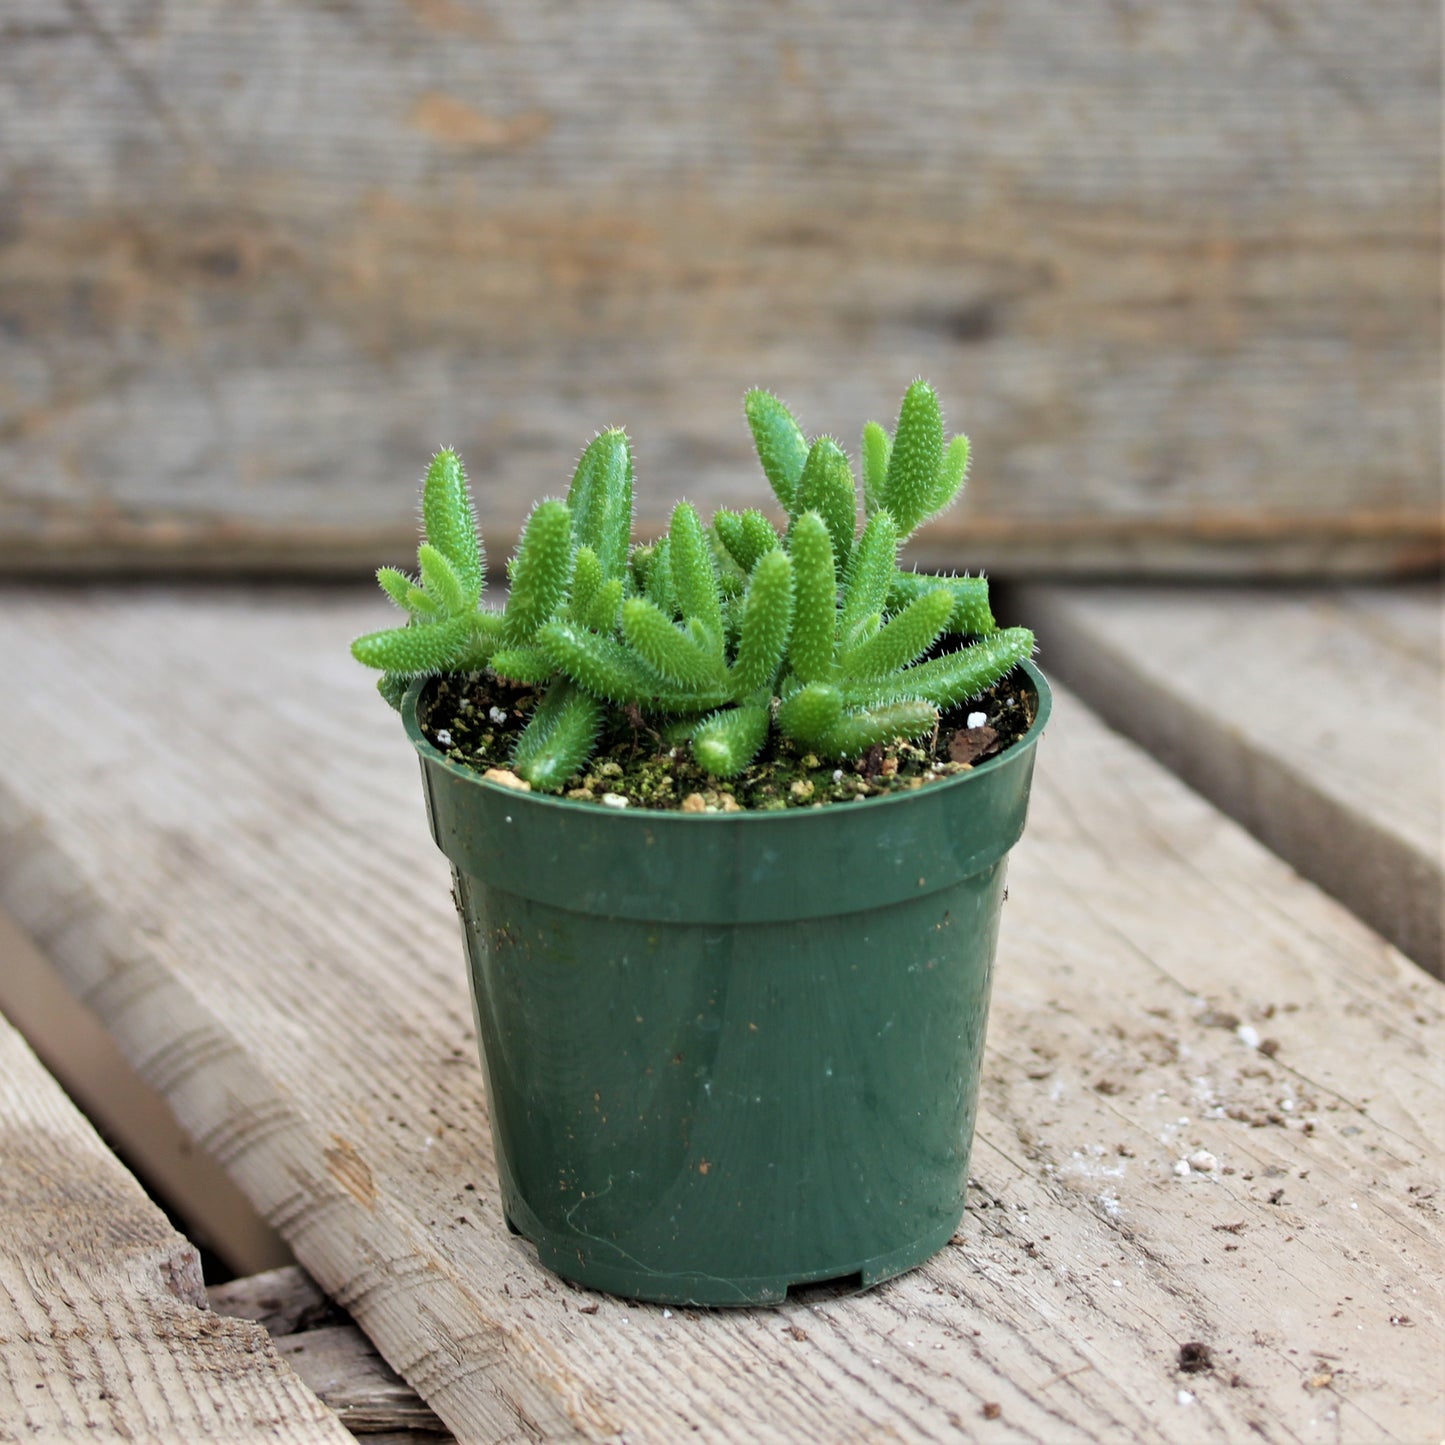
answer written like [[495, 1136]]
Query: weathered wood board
[[1315, 717], [333, 1357], [105, 1333], [214, 829], [73, 1045], [1175, 267]]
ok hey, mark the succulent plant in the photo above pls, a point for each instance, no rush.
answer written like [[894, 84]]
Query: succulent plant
[[728, 630]]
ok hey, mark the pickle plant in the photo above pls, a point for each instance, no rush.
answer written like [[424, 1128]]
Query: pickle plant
[[728, 630]]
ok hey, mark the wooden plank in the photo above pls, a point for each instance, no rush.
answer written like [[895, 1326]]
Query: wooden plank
[[317, 1339], [104, 1329], [1174, 267], [1314, 717], [74, 1046], [213, 828]]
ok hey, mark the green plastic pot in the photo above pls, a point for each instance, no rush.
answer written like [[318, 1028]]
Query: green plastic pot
[[730, 1054]]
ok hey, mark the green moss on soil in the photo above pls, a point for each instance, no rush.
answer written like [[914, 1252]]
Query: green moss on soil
[[475, 719]]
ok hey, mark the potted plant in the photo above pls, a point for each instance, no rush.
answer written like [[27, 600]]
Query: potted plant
[[728, 817]]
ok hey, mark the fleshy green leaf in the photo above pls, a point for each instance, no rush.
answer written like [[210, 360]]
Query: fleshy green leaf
[[815, 599], [600, 500], [451, 521], [902, 639], [673, 654], [441, 580], [971, 610], [659, 577], [601, 665], [957, 676], [871, 570], [951, 476], [393, 687], [541, 570], [877, 445], [559, 737], [767, 620], [398, 586], [782, 447], [694, 578], [826, 487], [725, 743], [917, 455], [417, 650], [857, 732], [528, 665], [810, 713]]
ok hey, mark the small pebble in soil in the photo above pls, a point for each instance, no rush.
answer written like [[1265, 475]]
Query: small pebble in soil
[[614, 800], [976, 719], [497, 715], [444, 738]]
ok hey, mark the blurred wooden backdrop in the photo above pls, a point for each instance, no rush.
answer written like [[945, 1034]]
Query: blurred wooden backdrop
[[1175, 267]]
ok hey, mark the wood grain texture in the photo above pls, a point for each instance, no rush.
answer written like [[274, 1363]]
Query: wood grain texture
[[315, 1337], [1174, 267], [257, 911], [104, 1330], [1314, 717]]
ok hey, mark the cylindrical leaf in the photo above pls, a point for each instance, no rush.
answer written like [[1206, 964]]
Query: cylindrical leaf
[[870, 573], [416, 650], [815, 599], [857, 732], [725, 743], [694, 578], [601, 665], [951, 476], [916, 457], [559, 737], [661, 646], [450, 520], [809, 714], [954, 678], [971, 611], [600, 500], [767, 620], [541, 570], [826, 487], [442, 581], [782, 447], [877, 445], [902, 639]]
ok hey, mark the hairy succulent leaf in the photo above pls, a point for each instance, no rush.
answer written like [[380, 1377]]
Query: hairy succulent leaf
[[810, 713], [815, 599], [767, 620], [728, 741], [601, 665], [870, 574], [759, 537], [951, 476], [673, 654], [529, 665], [877, 446], [600, 500], [971, 610], [450, 520], [659, 587], [587, 582], [541, 570], [957, 676], [694, 577], [417, 650], [902, 639], [859, 731], [399, 587], [826, 487], [559, 737], [782, 447], [442, 581], [915, 459]]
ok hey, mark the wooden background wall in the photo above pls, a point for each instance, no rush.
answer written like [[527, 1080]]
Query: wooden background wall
[[1175, 266]]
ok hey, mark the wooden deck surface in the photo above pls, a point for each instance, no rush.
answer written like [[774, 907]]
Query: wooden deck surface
[[213, 829], [1313, 716], [105, 1334]]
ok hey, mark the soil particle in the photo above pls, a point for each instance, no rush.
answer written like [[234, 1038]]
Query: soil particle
[[1195, 1358], [476, 718]]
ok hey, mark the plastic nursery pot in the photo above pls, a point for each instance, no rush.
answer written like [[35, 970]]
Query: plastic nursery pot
[[728, 1054]]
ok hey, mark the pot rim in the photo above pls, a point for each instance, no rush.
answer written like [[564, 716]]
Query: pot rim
[[529, 798]]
